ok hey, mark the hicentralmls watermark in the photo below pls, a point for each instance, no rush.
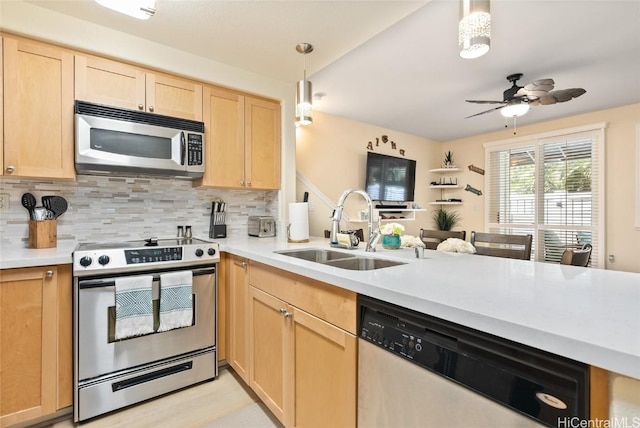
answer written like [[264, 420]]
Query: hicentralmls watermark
[[576, 422]]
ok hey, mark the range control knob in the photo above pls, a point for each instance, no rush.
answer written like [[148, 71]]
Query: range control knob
[[85, 261], [211, 251], [104, 259], [199, 252]]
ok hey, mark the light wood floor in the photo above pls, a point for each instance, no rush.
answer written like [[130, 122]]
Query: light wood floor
[[195, 407]]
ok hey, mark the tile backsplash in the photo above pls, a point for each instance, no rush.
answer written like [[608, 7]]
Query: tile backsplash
[[120, 208]]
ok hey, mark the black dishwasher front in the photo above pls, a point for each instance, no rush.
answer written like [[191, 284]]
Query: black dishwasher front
[[546, 387]]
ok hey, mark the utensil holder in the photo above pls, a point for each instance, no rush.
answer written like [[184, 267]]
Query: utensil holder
[[43, 234]]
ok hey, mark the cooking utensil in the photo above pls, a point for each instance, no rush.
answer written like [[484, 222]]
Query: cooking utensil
[[58, 205], [29, 202]]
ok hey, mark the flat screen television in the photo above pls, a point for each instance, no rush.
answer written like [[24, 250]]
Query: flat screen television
[[390, 179]]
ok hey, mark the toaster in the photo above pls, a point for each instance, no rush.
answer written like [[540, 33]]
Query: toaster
[[262, 226]]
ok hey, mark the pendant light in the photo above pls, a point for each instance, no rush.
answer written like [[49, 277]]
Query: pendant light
[[304, 113], [140, 9], [474, 29]]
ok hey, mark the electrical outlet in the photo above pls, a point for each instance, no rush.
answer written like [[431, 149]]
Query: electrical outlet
[[4, 202]]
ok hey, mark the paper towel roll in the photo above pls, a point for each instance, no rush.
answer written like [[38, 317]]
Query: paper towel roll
[[298, 222]]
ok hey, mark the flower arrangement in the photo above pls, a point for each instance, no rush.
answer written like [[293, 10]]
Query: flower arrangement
[[392, 229]]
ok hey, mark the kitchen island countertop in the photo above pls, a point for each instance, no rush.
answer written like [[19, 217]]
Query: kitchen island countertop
[[589, 315]]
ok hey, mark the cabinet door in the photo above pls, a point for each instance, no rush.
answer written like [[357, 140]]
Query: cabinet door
[[112, 83], [238, 292], [262, 142], [28, 354], [324, 371], [174, 97], [224, 139], [269, 334], [38, 110]]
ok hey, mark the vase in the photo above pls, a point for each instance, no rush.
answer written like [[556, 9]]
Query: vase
[[391, 242]]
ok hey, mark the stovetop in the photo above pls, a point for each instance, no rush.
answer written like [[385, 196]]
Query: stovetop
[[96, 258], [151, 242]]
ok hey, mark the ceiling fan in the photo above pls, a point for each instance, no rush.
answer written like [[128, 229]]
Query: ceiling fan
[[517, 99]]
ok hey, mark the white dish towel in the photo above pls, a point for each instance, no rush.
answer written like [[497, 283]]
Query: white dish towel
[[176, 307], [134, 308]]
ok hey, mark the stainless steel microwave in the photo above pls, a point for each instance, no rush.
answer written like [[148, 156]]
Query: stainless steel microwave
[[110, 139]]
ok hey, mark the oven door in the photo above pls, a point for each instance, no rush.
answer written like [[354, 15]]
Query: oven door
[[98, 353]]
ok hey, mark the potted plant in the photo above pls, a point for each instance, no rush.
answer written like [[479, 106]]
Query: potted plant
[[391, 233], [445, 220], [448, 160]]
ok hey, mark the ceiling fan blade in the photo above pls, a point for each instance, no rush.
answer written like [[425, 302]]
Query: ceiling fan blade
[[484, 102], [561, 96], [537, 88], [483, 112]]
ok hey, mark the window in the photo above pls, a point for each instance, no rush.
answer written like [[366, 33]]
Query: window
[[550, 186]]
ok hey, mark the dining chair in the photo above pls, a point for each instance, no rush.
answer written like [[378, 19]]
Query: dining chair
[[431, 238], [577, 257], [502, 245]]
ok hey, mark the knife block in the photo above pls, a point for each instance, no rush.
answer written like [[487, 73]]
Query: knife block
[[43, 233]]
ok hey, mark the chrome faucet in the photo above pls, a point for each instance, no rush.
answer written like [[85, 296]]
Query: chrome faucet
[[337, 215]]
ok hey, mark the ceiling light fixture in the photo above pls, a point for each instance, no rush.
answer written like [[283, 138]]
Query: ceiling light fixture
[[140, 9], [474, 29], [304, 104], [515, 108]]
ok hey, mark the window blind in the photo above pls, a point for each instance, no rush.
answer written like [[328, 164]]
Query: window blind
[[551, 187]]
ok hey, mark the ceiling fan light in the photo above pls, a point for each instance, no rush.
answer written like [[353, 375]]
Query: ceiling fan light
[[139, 9], [515, 110], [474, 29]]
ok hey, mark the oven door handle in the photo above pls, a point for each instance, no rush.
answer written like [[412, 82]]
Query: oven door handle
[[111, 282]]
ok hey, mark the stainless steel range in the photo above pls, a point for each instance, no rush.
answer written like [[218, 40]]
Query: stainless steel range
[[145, 320]]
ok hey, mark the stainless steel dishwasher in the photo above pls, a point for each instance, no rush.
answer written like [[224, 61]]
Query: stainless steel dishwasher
[[419, 371]]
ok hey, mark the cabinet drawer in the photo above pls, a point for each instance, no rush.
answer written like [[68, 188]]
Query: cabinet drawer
[[329, 303]]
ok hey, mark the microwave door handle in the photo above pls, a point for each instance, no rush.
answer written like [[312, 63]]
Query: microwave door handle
[[183, 148]]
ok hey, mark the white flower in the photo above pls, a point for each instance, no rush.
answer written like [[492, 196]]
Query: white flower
[[392, 229]]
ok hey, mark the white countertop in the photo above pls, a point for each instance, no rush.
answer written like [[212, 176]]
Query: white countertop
[[17, 256], [589, 315]]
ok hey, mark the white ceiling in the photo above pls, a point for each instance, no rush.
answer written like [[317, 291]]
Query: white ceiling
[[395, 63]]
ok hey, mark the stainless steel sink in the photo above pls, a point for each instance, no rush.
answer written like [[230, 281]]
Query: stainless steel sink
[[339, 259], [316, 255], [363, 263]]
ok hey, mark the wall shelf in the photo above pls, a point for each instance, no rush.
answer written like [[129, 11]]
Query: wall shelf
[[444, 170], [400, 214], [444, 187]]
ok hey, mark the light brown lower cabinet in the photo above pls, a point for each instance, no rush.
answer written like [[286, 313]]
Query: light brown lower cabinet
[[237, 314], [35, 342], [303, 367]]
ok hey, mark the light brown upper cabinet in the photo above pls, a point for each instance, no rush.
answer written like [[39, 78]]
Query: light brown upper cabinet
[[38, 110], [242, 141], [117, 84]]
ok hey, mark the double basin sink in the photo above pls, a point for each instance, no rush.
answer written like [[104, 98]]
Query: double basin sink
[[339, 259]]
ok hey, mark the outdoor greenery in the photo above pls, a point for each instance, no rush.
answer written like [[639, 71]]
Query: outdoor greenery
[[572, 176]]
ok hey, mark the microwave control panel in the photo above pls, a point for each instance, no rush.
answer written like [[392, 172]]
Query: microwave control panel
[[195, 148]]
